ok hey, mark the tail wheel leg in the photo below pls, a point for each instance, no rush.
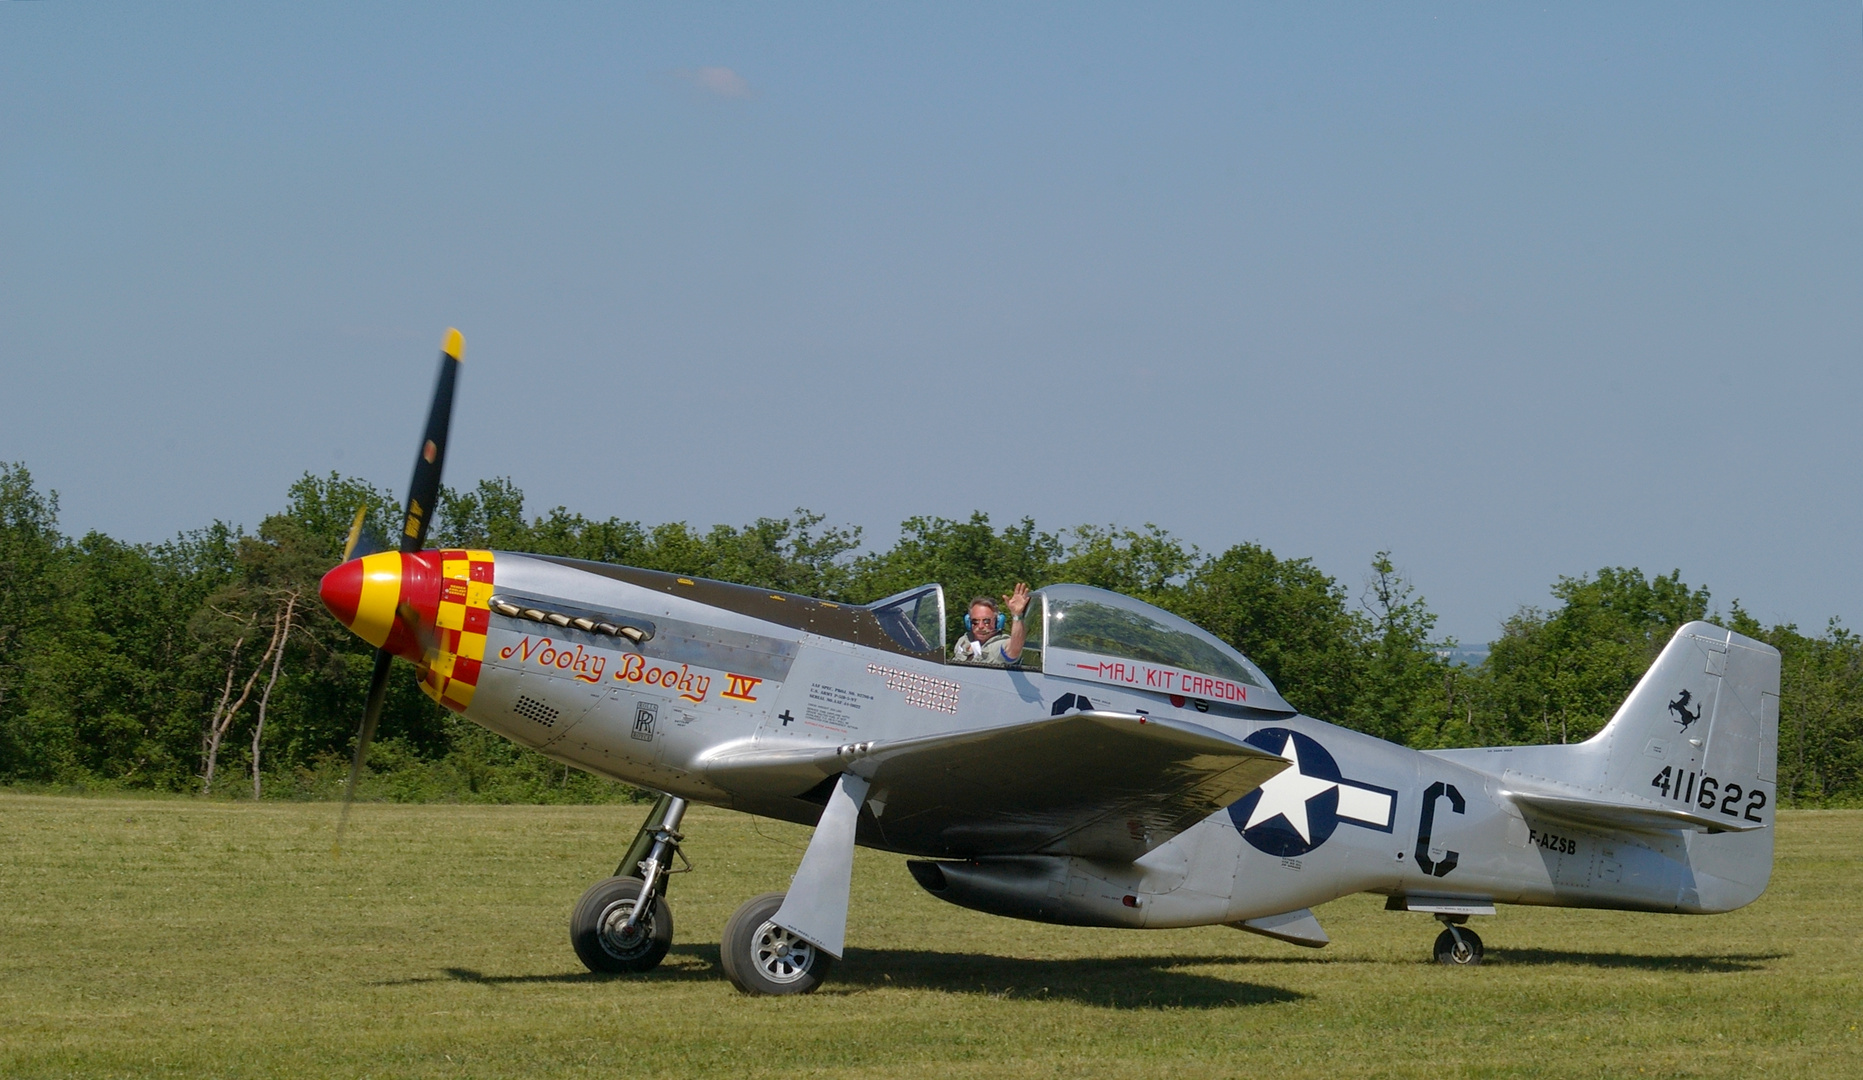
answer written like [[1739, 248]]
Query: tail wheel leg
[[1457, 945], [760, 957]]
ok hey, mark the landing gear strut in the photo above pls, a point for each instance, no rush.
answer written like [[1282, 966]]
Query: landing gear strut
[[1457, 945], [623, 923]]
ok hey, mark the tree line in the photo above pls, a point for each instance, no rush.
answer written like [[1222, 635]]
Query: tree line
[[207, 664]]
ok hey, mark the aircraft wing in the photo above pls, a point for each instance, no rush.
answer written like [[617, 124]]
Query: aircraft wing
[[1097, 784]]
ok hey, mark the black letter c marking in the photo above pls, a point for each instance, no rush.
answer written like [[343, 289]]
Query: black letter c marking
[[1427, 821]]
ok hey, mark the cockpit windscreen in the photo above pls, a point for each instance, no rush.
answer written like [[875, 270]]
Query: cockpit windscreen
[[1105, 623]]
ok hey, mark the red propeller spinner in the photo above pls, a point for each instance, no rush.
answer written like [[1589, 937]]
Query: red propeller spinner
[[389, 599]]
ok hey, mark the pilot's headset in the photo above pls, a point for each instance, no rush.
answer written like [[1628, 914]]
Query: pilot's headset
[[982, 600]]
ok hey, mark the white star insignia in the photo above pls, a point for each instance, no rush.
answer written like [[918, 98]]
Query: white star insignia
[[1285, 796]]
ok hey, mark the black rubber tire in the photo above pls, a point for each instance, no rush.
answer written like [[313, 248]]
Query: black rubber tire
[[1468, 955], [759, 958], [608, 902]]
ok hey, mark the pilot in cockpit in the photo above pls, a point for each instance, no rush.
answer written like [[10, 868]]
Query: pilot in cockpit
[[985, 641]]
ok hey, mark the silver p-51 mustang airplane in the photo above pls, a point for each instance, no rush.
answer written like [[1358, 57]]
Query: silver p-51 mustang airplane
[[1131, 770]]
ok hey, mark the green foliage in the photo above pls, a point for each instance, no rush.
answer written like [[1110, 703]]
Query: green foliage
[[970, 558], [1151, 565], [789, 554], [324, 506], [115, 658], [1288, 617], [29, 550], [1820, 711], [95, 678], [1401, 694], [1558, 676]]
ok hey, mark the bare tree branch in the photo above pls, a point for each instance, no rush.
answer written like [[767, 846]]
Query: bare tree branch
[[281, 633]]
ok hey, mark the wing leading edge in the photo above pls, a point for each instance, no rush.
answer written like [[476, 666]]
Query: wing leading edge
[[1095, 784]]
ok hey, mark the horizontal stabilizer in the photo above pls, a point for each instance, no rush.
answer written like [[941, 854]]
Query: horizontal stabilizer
[[1635, 817]]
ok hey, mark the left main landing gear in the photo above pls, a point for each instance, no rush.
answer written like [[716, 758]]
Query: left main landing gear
[[1457, 945], [761, 955], [612, 934], [623, 923]]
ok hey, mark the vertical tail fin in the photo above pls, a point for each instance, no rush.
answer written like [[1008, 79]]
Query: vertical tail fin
[[1722, 764], [1707, 711]]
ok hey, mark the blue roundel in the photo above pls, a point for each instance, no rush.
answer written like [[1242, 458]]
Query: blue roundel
[[1298, 809]]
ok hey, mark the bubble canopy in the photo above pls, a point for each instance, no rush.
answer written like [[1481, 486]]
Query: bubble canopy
[[1084, 626]]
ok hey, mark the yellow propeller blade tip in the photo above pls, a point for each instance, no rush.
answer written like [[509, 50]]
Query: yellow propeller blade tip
[[355, 532], [454, 344]]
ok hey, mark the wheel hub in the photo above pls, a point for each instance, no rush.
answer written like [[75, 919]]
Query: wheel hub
[[620, 940], [781, 956]]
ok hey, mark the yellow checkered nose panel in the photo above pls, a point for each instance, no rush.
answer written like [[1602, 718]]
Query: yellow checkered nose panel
[[462, 618]]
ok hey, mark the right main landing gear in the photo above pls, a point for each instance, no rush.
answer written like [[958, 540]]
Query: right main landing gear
[[623, 923], [760, 957]]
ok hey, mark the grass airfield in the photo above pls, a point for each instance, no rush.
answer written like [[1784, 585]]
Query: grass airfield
[[145, 937]]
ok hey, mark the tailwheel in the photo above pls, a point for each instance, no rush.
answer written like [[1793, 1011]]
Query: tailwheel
[[1458, 946], [607, 935], [760, 957]]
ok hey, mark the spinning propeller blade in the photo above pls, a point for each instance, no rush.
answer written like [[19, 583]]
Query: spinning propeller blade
[[355, 533], [371, 715], [424, 489], [423, 492], [362, 539]]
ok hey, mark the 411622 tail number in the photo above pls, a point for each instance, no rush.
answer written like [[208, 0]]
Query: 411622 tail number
[[1688, 787]]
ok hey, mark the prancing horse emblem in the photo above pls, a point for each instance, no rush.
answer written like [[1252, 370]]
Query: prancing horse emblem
[[1680, 708]]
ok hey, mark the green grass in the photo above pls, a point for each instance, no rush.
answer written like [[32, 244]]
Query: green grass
[[146, 937]]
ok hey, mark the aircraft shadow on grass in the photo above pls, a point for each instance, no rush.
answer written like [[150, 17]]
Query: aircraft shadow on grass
[[1725, 962], [1119, 982], [1124, 982]]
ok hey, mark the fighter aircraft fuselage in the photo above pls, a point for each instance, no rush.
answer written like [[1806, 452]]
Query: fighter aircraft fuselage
[[1351, 813]]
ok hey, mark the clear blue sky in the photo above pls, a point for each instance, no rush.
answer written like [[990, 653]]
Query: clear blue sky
[[1512, 291]]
